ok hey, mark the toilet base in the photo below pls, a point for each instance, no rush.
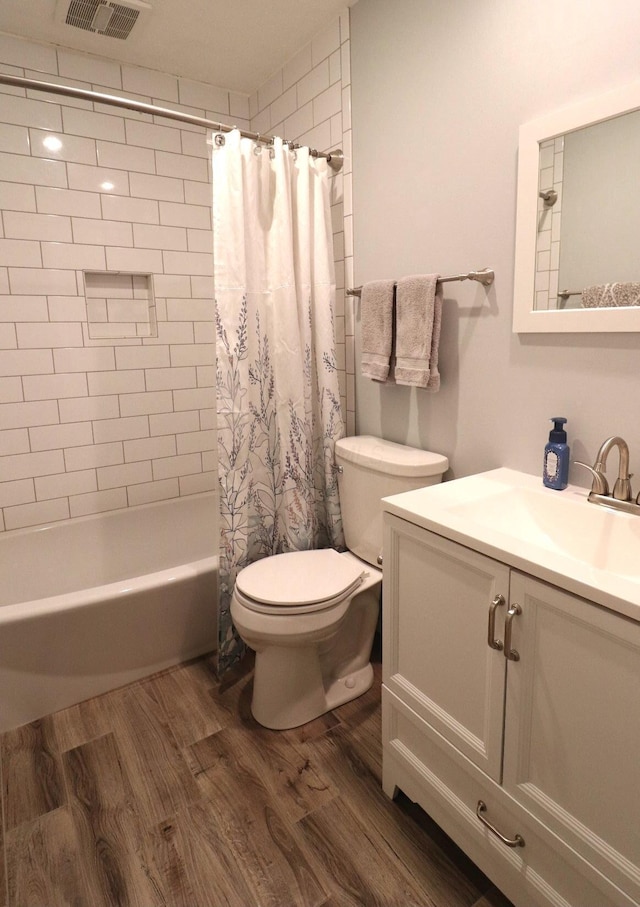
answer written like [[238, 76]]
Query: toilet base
[[295, 693], [344, 689]]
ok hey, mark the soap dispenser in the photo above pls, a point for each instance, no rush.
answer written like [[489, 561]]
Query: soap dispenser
[[555, 471]]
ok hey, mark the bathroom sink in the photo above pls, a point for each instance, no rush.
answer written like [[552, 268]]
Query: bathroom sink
[[556, 535], [593, 535]]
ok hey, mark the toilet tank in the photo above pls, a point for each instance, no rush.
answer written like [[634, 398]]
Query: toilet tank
[[372, 469]]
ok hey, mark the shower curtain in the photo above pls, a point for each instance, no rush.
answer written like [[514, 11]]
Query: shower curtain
[[278, 402]]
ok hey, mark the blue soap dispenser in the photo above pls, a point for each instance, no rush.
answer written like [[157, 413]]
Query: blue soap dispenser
[[555, 471]]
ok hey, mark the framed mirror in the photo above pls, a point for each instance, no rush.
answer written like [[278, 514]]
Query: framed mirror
[[577, 267]]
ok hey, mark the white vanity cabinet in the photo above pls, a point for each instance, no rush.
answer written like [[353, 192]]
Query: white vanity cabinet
[[510, 702]]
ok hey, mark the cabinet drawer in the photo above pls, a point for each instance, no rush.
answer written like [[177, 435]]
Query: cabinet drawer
[[448, 786]]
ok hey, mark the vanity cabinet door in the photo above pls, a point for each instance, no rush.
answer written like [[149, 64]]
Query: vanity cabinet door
[[436, 657], [572, 725]]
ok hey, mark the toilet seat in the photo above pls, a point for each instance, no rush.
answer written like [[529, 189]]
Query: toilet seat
[[299, 582]]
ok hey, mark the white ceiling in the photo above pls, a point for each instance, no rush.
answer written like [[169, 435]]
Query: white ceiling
[[235, 44]]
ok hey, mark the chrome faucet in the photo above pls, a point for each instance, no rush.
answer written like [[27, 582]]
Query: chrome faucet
[[621, 497]]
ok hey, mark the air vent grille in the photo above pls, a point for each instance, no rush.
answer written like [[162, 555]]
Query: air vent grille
[[82, 13]]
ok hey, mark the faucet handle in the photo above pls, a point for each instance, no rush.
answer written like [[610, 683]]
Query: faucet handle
[[622, 489], [599, 483]]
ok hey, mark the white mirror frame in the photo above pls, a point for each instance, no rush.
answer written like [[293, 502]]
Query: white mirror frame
[[525, 319]]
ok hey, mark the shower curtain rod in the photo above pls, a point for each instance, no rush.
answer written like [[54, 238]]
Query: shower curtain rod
[[485, 276], [335, 159]]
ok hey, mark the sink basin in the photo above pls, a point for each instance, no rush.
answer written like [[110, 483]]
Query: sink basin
[[556, 535], [597, 537]]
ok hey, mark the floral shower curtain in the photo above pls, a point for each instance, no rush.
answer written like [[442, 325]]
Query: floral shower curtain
[[278, 402]]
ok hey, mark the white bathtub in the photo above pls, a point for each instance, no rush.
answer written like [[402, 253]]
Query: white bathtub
[[90, 604]]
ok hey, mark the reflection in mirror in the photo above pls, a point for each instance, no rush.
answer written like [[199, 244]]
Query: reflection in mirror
[[578, 218], [589, 217]]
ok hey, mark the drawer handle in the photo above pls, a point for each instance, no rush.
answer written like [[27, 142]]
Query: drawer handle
[[491, 635], [510, 653], [518, 841]]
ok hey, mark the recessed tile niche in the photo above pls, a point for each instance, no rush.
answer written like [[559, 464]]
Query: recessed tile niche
[[120, 305]]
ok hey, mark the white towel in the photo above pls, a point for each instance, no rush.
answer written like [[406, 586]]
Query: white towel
[[607, 295], [418, 323], [377, 328]]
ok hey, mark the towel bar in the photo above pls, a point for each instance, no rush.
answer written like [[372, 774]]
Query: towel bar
[[485, 276], [564, 294]]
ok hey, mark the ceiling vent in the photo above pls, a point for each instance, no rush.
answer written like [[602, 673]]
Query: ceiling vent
[[102, 17]]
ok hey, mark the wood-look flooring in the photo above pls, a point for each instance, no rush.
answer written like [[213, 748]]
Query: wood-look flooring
[[167, 792]]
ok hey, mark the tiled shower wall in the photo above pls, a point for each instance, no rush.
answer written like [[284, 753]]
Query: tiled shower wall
[[90, 424], [549, 220]]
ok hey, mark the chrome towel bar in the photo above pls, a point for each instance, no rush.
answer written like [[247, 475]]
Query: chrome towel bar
[[485, 276]]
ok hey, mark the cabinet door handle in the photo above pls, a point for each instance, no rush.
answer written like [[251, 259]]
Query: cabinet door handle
[[518, 841], [510, 653], [491, 634]]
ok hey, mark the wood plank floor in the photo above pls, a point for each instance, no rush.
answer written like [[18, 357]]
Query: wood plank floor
[[167, 792]]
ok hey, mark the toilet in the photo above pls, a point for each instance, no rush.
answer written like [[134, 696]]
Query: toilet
[[310, 616]]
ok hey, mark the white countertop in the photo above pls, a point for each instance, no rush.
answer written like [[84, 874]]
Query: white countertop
[[556, 536]]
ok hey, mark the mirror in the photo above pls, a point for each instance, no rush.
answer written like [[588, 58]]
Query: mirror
[[578, 218]]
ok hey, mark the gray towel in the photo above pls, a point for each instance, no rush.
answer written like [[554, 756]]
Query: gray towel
[[607, 295], [418, 323], [377, 328]]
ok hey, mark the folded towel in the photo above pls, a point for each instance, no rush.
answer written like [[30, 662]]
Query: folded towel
[[611, 294], [433, 384], [377, 328], [418, 322]]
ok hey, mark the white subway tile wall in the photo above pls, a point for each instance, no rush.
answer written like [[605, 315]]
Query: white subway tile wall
[[90, 423], [549, 221]]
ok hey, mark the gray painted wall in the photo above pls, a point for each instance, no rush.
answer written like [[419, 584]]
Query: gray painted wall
[[439, 90], [601, 188]]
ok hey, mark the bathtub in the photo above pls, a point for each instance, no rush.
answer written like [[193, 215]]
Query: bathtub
[[91, 604]]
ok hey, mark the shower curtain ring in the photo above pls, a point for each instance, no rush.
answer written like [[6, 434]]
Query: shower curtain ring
[[258, 147], [219, 140]]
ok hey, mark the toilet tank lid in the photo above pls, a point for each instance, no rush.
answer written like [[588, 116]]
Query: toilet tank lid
[[389, 457]]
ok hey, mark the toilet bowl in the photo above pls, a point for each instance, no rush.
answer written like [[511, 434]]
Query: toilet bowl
[[313, 643], [311, 616]]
